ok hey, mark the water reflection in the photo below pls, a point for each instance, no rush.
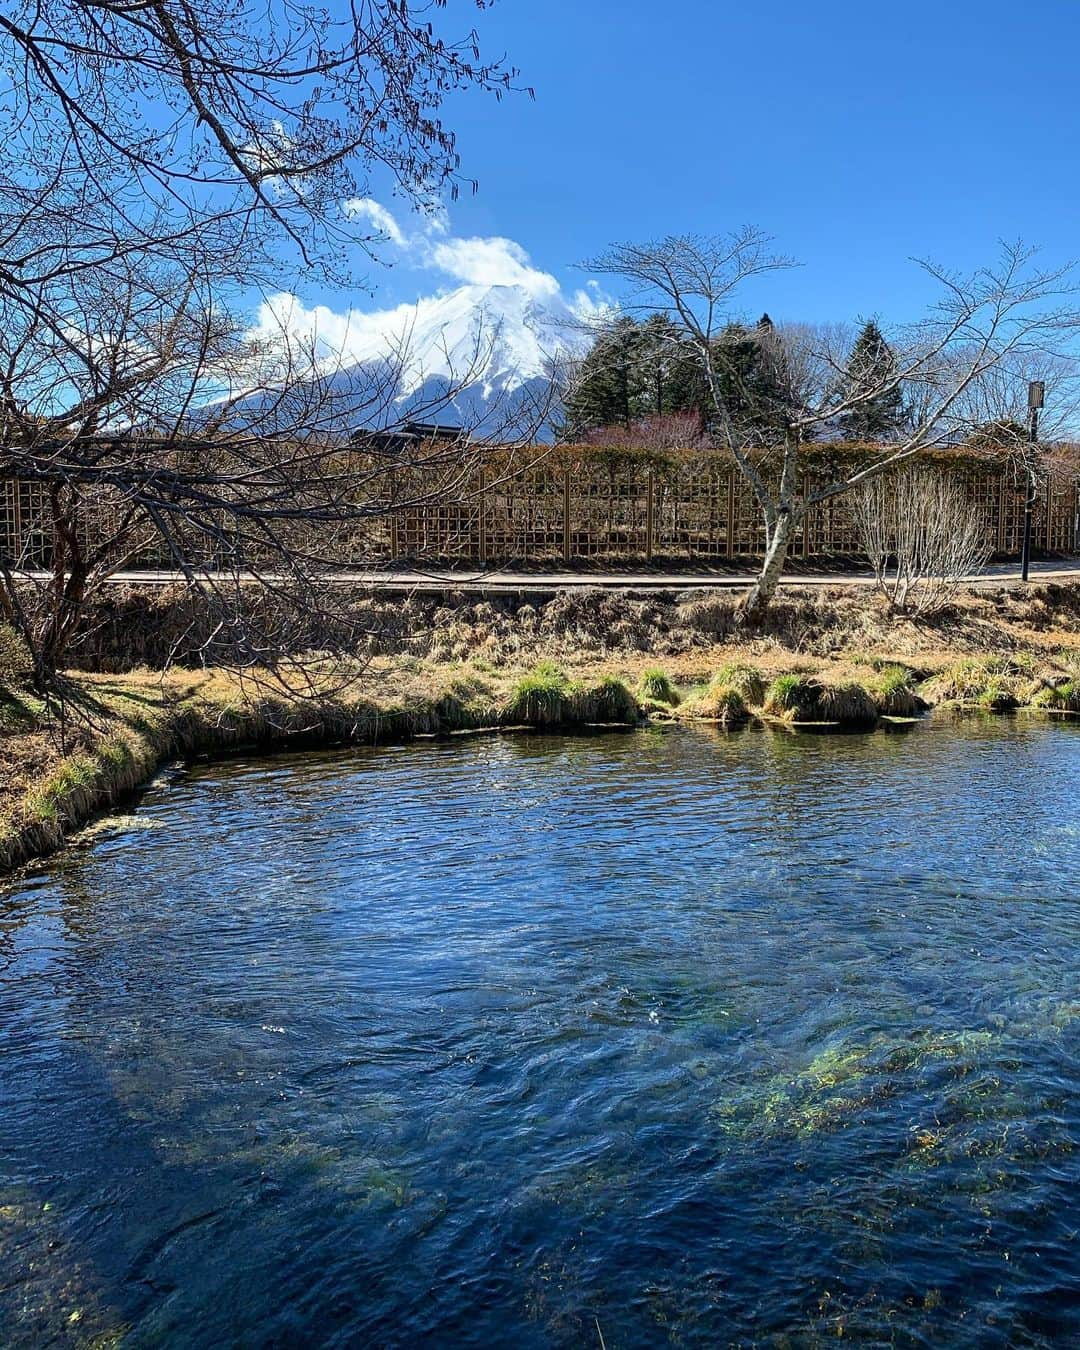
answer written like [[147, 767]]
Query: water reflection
[[703, 1038]]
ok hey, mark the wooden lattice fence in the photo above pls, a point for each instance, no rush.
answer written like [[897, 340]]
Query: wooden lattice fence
[[581, 505]]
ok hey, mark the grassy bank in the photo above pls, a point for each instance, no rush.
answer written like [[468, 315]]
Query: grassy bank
[[832, 660], [57, 771]]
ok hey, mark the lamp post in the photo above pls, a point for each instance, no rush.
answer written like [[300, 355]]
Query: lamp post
[[1036, 397]]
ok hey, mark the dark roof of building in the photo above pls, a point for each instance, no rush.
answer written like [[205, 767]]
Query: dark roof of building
[[407, 434]]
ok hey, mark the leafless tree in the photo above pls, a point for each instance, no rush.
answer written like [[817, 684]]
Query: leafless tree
[[165, 164], [1010, 312], [128, 126], [999, 401], [922, 533], [140, 419]]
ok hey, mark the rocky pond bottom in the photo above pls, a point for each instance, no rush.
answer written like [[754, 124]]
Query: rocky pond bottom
[[664, 1037]]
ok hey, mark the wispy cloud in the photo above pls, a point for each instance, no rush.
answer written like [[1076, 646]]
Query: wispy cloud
[[491, 262], [429, 249], [382, 220], [474, 260]]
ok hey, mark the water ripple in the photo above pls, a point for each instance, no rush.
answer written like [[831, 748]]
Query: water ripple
[[698, 1039]]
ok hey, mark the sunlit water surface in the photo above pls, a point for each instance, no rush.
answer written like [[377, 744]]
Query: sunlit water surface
[[660, 1038]]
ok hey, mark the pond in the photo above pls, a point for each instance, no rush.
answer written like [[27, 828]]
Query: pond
[[625, 1040]]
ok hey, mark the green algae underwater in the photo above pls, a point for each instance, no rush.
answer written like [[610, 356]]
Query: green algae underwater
[[672, 1037]]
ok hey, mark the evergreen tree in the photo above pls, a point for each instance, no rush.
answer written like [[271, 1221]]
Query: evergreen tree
[[644, 368], [634, 369], [669, 375], [870, 364], [750, 389], [604, 394]]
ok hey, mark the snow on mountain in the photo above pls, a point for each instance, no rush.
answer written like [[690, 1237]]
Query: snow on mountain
[[482, 356], [497, 336]]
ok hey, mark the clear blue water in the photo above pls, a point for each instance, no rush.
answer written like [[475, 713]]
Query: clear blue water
[[664, 1038]]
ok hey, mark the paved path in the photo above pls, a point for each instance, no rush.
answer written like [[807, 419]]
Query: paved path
[[479, 582]]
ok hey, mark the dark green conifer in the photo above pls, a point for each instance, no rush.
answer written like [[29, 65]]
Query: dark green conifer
[[871, 365]]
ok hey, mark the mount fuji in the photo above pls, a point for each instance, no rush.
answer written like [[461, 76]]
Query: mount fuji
[[482, 357]]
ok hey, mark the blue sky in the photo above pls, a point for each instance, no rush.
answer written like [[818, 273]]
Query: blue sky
[[857, 135]]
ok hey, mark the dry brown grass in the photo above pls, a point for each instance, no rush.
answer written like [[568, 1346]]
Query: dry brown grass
[[143, 627]]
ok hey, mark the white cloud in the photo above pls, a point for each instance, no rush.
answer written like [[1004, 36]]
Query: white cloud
[[477, 260], [331, 335], [442, 330], [492, 262], [591, 304], [367, 208]]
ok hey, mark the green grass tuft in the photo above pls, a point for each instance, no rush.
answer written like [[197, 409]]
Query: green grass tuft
[[715, 703], [749, 683], [656, 687], [792, 696], [608, 700], [992, 683], [1064, 697], [848, 704], [540, 698], [797, 698], [892, 688]]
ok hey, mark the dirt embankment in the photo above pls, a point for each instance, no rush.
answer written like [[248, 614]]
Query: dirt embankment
[[154, 628]]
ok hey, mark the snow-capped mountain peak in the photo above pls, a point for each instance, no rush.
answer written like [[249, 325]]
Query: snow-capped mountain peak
[[495, 336]]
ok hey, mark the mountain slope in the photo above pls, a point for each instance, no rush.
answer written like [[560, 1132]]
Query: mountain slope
[[484, 358]]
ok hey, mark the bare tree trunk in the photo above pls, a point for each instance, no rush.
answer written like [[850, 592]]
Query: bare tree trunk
[[761, 594], [781, 522]]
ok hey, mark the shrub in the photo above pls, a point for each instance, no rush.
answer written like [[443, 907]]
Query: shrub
[[15, 663], [922, 534]]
